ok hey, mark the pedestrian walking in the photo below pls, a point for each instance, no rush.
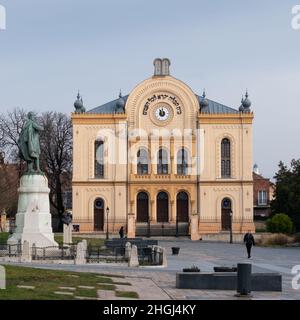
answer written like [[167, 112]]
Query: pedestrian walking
[[121, 232], [249, 241]]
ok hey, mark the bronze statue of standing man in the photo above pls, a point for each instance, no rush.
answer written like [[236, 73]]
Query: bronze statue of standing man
[[29, 144]]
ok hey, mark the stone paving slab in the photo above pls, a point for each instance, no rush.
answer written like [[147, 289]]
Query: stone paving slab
[[86, 287], [26, 287], [84, 298], [64, 293], [110, 295]]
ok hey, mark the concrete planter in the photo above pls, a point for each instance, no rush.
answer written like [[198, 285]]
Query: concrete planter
[[225, 269], [175, 251]]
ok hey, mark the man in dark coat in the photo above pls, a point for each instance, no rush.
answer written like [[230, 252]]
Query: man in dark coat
[[249, 241], [121, 232]]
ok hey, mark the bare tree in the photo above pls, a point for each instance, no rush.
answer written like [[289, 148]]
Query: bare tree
[[11, 125], [56, 155], [11, 166]]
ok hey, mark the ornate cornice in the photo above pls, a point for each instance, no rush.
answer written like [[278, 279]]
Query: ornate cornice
[[231, 118]]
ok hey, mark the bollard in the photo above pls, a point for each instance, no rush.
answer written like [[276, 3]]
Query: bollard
[[244, 279]]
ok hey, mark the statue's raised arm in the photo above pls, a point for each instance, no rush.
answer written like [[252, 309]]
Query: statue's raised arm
[[29, 144]]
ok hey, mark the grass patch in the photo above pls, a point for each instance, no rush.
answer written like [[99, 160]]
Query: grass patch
[[48, 281], [89, 293], [90, 241], [4, 237], [106, 287], [297, 237], [127, 294], [104, 280], [274, 240]]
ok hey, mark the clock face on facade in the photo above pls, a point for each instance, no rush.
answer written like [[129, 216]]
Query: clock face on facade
[[162, 113]]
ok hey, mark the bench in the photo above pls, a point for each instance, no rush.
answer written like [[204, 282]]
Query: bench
[[227, 281]]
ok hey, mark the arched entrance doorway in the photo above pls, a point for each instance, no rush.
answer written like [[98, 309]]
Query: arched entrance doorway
[[162, 207], [142, 207], [226, 211], [99, 214], [182, 207]]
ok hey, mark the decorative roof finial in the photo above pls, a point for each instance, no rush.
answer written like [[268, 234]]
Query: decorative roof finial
[[203, 101], [246, 95], [246, 103], [120, 104], [78, 104]]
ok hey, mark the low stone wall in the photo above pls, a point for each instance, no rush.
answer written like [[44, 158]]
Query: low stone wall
[[236, 237], [227, 281]]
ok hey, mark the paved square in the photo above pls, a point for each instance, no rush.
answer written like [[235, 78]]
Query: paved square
[[160, 282]]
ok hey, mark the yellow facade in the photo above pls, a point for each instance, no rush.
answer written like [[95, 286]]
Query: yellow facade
[[163, 113]]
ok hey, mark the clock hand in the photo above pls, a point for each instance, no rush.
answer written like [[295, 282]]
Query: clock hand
[[162, 112]]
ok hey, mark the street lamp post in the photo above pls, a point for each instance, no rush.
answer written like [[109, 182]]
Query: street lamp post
[[176, 235], [230, 226], [107, 212]]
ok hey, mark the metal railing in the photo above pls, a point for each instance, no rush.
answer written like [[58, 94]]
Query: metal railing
[[96, 254], [146, 255], [54, 253], [10, 250]]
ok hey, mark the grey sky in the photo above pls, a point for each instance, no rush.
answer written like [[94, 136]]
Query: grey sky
[[53, 47]]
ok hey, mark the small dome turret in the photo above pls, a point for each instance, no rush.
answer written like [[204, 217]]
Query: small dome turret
[[246, 103], [120, 104], [203, 102], [241, 108], [78, 104]]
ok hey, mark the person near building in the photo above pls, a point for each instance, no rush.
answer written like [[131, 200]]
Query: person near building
[[249, 242]]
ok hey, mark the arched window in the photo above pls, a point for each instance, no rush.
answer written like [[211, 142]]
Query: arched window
[[99, 214], [225, 158], [182, 162], [162, 162], [142, 161], [226, 214], [142, 209], [162, 207], [182, 207], [99, 159]]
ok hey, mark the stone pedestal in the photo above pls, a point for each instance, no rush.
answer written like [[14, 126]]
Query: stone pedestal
[[26, 252], [131, 225], [164, 258], [2, 278], [68, 234], [33, 220], [133, 259], [194, 227], [81, 253], [3, 222], [127, 250]]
